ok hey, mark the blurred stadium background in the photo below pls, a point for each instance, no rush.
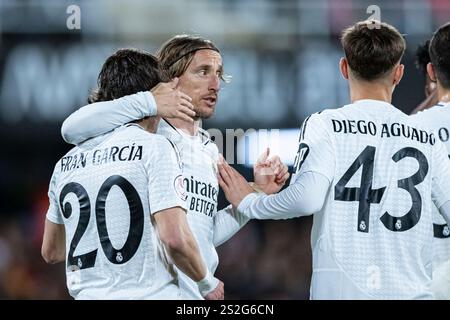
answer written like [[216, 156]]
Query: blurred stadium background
[[283, 56]]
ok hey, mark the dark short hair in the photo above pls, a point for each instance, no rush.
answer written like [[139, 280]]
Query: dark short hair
[[423, 57], [440, 54], [372, 48], [125, 72], [176, 54]]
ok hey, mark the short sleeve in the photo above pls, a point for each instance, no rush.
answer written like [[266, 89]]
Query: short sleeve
[[53, 213], [166, 185], [315, 151], [441, 174]]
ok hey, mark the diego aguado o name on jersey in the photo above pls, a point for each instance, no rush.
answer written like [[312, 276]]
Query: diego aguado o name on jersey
[[386, 130]]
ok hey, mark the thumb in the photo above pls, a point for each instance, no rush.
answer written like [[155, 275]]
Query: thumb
[[263, 157], [174, 83]]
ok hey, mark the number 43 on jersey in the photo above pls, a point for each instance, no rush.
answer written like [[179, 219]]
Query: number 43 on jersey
[[366, 196]]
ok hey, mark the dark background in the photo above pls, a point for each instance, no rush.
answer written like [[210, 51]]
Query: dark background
[[283, 56]]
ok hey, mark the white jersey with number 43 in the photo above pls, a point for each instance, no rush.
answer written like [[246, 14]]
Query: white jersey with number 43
[[372, 239], [105, 192]]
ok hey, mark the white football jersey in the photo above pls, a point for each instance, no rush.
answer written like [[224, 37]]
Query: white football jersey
[[105, 192], [199, 155], [372, 239], [437, 118]]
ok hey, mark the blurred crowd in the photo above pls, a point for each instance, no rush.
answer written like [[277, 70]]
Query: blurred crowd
[[268, 260], [23, 272]]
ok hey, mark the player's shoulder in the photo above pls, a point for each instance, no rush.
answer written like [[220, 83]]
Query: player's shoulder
[[135, 133], [430, 118], [314, 125], [317, 119], [425, 113], [344, 112], [133, 136], [70, 153], [325, 114], [432, 113]]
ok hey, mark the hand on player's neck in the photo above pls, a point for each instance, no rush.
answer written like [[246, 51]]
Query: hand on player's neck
[[187, 127]]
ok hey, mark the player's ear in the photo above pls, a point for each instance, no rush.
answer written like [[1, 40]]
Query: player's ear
[[343, 66], [398, 74], [431, 72]]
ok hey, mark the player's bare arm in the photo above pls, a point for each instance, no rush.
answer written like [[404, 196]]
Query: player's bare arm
[[180, 243], [53, 245]]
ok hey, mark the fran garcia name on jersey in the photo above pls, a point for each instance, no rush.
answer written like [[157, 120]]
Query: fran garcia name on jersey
[[385, 130], [96, 157], [203, 196]]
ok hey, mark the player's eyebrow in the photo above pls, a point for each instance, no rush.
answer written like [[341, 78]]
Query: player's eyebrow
[[209, 67], [220, 72]]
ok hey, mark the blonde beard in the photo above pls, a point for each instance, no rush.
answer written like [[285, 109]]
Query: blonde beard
[[203, 114]]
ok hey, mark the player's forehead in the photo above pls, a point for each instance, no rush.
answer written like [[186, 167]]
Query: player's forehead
[[206, 57]]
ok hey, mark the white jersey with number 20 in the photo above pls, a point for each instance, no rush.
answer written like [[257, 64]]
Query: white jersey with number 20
[[105, 192]]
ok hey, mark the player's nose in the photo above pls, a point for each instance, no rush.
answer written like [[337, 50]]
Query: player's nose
[[214, 83]]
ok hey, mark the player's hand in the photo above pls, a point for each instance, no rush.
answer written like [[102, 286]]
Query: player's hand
[[217, 293], [234, 186], [172, 103], [270, 173]]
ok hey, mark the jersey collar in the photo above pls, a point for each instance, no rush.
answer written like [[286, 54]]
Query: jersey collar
[[166, 126], [375, 105], [442, 104]]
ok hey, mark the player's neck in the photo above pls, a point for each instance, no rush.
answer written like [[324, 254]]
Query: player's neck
[[443, 94], [372, 91], [187, 127], [149, 124]]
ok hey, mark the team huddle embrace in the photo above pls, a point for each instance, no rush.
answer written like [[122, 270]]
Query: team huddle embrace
[[134, 205]]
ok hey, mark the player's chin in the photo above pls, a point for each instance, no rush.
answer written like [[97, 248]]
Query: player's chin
[[206, 112]]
